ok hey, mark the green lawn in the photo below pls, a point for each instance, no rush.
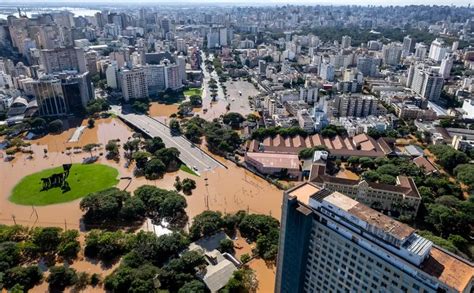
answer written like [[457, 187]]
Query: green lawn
[[185, 168], [192, 91], [83, 179]]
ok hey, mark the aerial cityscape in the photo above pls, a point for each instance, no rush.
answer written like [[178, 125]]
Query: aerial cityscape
[[236, 147]]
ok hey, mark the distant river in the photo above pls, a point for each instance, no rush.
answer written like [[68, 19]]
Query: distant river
[[6, 11]]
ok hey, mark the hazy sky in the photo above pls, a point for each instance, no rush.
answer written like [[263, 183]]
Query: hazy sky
[[260, 2]]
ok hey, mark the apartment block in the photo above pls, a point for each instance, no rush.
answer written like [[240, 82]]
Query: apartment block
[[332, 243]]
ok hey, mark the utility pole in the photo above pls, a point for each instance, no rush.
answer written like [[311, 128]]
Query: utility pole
[[14, 219], [65, 225]]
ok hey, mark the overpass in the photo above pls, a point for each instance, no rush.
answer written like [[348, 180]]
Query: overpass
[[190, 154]]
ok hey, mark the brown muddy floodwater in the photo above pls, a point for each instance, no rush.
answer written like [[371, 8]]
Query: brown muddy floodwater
[[226, 190], [162, 110]]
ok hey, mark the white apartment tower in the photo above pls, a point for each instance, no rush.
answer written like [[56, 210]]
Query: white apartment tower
[[437, 50], [134, 85], [446, 66]]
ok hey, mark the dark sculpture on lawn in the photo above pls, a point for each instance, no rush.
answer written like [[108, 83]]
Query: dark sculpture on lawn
[[58, 179]]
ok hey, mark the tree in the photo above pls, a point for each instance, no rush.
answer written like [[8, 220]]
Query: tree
[[175, 128], [154, 168], [103, 205], [112, 149], [9, 255], [448, 157], [388, 169], [169, 157], [465, 174], [371, 176], [194, 286], [141, 158], [193, 132], [233, 119], [185, 108], [27, 277], [38, 124], [61, 277], [254, 225], [105, 245], [243, 280], [226, 245], [206, 223], [91, 123], [89, 148], [55, 126], [387, 179], [69, 246], [196, 100], [47, 239], [154, 144], [245, 258], [133, 209], [188, 185]]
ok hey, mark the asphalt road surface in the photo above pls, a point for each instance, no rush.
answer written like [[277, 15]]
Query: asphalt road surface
[[190, 154]]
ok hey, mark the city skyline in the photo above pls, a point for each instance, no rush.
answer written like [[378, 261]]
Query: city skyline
[[253, 3]]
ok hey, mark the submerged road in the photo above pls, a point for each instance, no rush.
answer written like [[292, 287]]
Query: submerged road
[[190, 154]]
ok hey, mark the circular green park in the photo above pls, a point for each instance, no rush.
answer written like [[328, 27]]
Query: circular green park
[[63, 184]]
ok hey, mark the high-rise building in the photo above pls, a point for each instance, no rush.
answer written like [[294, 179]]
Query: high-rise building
[[437, 50], [62, 94], [446, 66], [327, 71], [60, 59], [172, 77], [181, 46], [213, 38], [111, 75], [367, 65], [133, 83], [408, 45], [346, 42], [420, 51], [181, 61], [355, 105], [165, 25], [426, 83], [332, 243], [156, 78], [391, 53]]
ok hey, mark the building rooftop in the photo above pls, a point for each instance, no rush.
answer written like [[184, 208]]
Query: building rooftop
[[449, 268], [304, 191], [372, 217], [282, 161]]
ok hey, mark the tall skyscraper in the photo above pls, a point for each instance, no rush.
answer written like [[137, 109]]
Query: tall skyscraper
[[426, 82], [408, 45], [391, 53], [446, 66], [133, 83], [346, 42], [181, 61], [332, 243], [60, 59], [327, 71], [420, 51], [437, 50], [367, 66]]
